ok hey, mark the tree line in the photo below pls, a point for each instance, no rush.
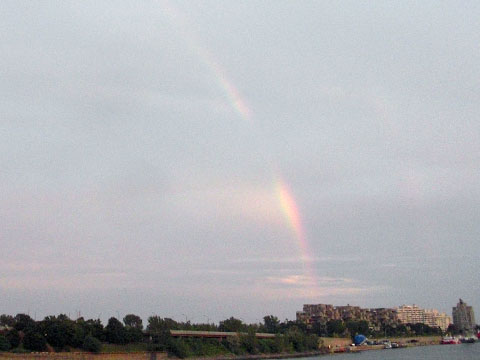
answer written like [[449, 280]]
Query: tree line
[[350, 328], [21, 333], [60, 333]]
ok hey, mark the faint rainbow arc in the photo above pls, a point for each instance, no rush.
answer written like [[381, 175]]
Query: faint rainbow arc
[[285, 197], [220, 75]]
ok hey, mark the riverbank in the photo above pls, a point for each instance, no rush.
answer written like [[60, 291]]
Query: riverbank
[[330, 345], [149, 356], [339, 345]]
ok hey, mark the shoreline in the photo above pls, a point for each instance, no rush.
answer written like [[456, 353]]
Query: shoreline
[[337, 345]]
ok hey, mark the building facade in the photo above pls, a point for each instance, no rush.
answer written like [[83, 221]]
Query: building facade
[[412, 314], [322, 313], [463, 317], [434, 318], [376, 317]]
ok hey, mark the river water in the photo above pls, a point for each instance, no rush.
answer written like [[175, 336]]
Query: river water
[[436, 352]]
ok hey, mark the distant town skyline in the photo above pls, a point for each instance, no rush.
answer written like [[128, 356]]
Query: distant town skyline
[[208, 159]]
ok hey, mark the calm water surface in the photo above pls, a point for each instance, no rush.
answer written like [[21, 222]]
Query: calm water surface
[[437, 352]]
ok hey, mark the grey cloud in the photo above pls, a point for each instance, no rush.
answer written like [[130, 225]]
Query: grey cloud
[[123, 157]]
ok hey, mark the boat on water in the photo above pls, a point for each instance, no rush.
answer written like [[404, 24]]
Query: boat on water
[[449, 340], [468, 340]]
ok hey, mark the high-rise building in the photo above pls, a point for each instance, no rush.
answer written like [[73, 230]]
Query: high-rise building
[[412, 314], [434, 318], [463, 317]]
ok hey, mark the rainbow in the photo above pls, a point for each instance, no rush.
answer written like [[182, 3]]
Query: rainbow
[[232, 93], [237, 102], [292, 214]]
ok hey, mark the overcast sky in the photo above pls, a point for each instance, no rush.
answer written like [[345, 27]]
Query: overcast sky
[[143, 144]]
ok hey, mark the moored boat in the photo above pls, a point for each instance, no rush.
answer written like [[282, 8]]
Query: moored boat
[[449, 340]]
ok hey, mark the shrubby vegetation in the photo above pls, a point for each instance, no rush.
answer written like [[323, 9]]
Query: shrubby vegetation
[[351, 328], [91, 344], [290, 337], [60, 333]]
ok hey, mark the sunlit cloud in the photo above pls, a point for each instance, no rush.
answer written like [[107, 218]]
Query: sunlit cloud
[[302, 280], [297, 259], [243, 201]]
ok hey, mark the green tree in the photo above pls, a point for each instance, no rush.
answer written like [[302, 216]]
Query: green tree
[[92, 344], [232, 343], [115, 332], [232, 325], [133, 327], [159, 330], [59, 331], [34, 341], [312, 342], [133, 321], [156, 324], [357, 327], [278, 344], [95, 328], [271, 324], [319, 328], [265, 346], [7, 320], [13, 338], [4, 343], [249, 342], [335, 327], [79, 332], [296, 339], [133, 335], [24, 322]]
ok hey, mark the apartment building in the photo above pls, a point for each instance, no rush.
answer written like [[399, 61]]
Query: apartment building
[[463, 317], [412, 314], [321, 313]]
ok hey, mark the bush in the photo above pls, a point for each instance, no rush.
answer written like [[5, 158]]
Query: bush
[[249, 342], [4, 343], [278, 344], [34, 341], [265, 346], [179, 348], [13, 338], [92, 344]]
